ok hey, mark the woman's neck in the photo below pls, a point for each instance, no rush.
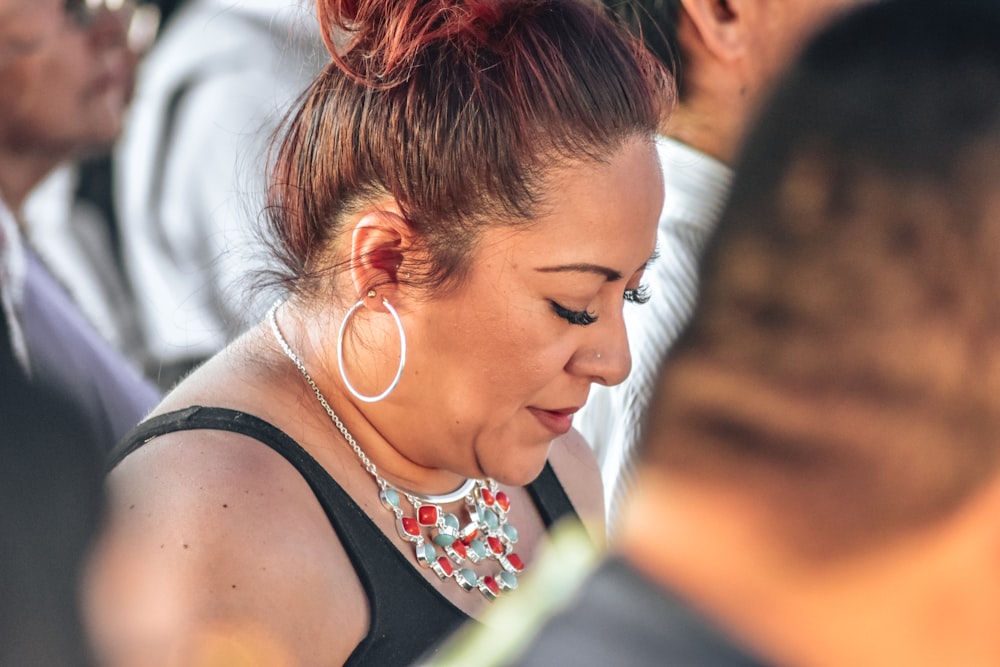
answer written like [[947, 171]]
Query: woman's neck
[[390, 462]]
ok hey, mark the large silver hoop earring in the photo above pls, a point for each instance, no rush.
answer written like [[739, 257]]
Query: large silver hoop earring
[[340, 353]]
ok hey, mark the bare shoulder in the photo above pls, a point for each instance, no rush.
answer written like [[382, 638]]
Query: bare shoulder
[[573, 461], [213, 537]]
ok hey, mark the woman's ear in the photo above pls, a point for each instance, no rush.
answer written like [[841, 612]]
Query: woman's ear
[[379, 243], [720, 25]]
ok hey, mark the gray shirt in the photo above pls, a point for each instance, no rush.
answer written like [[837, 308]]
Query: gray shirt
[[619, 617]]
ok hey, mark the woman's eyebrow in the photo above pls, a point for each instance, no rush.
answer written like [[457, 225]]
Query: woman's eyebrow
[[583, 267], [609, 274]]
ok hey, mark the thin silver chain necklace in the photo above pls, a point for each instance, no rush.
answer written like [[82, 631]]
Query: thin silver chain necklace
[[485, 535]]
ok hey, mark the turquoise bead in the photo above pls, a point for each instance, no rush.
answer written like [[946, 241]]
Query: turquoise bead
[[391, 497], [430, 553], [451, 521], [490, 517], [511, 532], [509, 579], [443, 540], [478, 547], [469, 575]]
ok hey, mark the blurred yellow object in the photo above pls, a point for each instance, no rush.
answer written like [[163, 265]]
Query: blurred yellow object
[[233, 645]]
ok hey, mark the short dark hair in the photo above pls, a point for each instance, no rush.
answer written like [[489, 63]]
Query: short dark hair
[[457, 110], [843, 361], [655, 23]]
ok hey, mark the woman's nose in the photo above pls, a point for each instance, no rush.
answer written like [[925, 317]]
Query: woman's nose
[[606, 359]]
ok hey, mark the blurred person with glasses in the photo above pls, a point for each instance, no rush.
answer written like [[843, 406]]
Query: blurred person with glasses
[[50, 480], [65, 102]]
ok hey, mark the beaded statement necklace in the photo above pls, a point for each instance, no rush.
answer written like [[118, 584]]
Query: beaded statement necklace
[[485, 534]]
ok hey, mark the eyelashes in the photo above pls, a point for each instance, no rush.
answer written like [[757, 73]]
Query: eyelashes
[[582, 318], [640, 295]]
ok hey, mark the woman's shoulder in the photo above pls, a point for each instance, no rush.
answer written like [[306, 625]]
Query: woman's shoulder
[[217, 456], [228, 489], [192, 455], [200, 522]]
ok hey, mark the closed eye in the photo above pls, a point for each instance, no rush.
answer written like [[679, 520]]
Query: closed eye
[[579, 317], [639, 295]]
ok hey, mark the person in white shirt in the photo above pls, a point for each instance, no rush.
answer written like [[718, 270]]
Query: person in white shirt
[[189, 171], [725, 54]]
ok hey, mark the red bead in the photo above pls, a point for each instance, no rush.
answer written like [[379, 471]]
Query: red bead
[[495, 544], [459, 547], [427, 515], [492, 584], [445, 565], [503, 501], [488, 497], [410, 526], [469, 536], [516, 561]]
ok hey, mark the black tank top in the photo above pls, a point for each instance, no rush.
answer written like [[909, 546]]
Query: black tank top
[[408, 615]]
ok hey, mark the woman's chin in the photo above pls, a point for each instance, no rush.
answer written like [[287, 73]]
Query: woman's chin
[[521, 474]]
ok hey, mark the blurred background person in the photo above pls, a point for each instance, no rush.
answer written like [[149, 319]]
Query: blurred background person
[[24, 26], [820, 474], [189, 171], [68, 216], [50, 480], [61, 102], [725, 54]]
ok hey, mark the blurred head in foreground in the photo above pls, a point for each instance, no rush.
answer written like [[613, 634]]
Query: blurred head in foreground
[[831, 413]]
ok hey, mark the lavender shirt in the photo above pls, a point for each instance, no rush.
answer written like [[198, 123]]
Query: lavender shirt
[[68, 356]]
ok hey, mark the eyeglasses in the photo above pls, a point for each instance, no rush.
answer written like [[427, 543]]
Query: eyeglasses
[[84, 13], [142, 20]]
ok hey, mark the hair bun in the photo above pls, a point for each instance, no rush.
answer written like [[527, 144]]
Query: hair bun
[[375, 41]]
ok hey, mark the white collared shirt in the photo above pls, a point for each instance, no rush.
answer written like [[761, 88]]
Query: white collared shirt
[[13, 268]]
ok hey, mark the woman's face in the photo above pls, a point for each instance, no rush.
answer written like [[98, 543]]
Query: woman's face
[[503, 362], [69, 96]]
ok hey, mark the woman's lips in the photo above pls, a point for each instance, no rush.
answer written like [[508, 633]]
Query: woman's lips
[[558, 422]]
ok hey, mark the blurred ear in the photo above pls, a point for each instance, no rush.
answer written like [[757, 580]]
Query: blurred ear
[[721, 26], [379, 243]]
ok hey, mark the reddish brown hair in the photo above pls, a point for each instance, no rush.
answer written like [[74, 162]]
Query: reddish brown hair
[[456, 110]]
